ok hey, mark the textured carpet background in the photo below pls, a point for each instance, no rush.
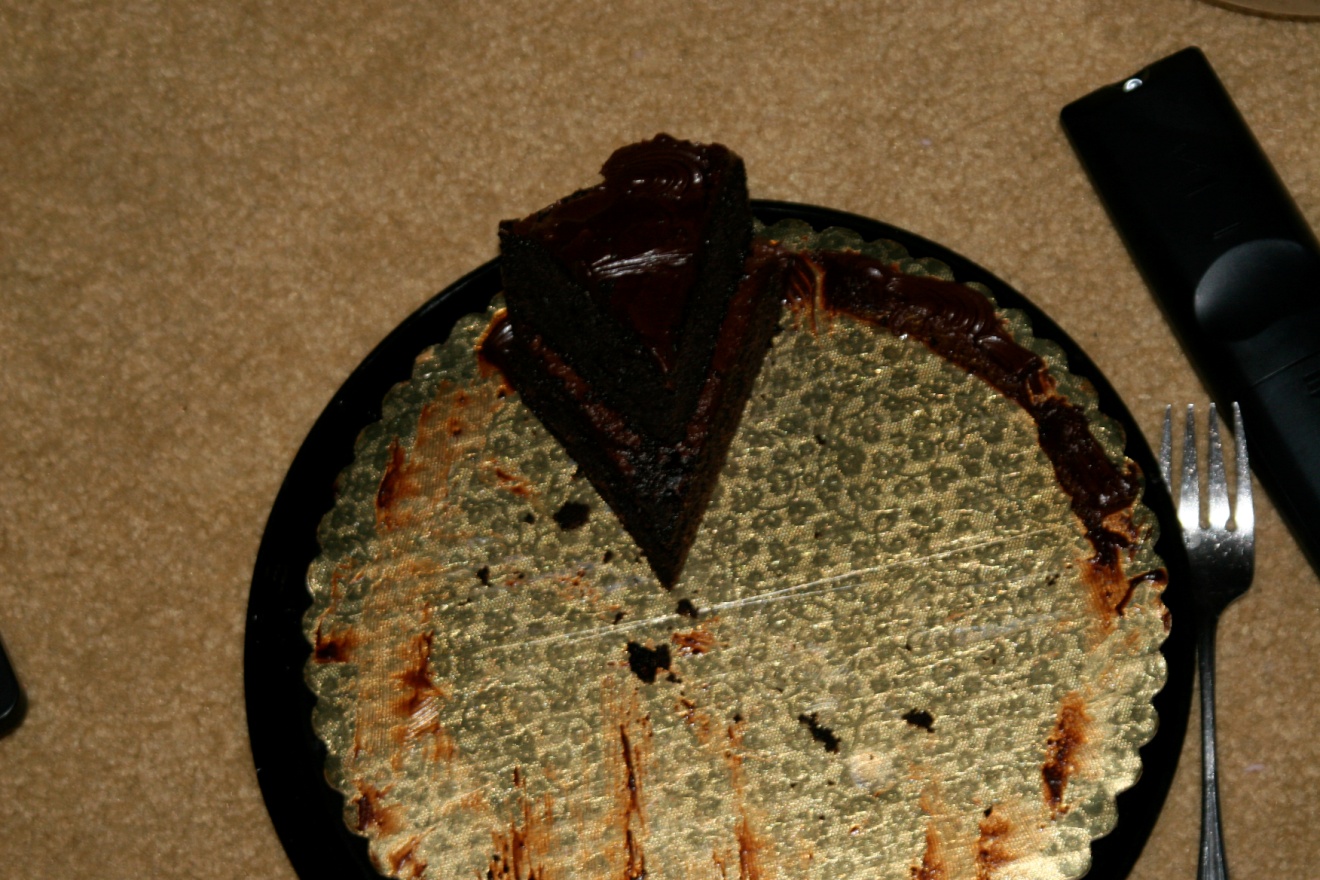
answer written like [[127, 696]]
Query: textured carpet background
[[210, 214]]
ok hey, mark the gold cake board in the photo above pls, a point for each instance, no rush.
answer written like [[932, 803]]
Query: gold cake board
[[463, 297]]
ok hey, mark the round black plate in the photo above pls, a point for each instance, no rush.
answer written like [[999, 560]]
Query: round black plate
[[308, 814]]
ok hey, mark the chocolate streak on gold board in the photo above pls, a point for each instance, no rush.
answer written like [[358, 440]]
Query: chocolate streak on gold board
[[889, 555]]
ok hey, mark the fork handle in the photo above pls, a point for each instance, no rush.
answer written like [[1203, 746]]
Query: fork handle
[[1211, 865]]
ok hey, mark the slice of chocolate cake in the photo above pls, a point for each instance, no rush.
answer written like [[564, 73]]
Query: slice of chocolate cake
[[638, 314], [630, 280]]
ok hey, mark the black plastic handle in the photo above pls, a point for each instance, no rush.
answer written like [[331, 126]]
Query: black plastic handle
[[12, 702], [1227, 254]]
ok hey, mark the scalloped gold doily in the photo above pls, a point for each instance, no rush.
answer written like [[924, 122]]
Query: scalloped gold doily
[[882, 659]]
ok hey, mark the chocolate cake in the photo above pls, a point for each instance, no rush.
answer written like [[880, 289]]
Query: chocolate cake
[[638, 314]]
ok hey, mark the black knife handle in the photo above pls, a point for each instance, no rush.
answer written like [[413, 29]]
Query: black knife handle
[[12, 702], [1226, 253]]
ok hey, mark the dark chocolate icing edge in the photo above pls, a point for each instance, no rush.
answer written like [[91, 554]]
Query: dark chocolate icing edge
[[633, 241]]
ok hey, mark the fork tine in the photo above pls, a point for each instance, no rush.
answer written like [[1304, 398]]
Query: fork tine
[[1244, 516], [1189, 496], [1217, 479], [1166, 449]]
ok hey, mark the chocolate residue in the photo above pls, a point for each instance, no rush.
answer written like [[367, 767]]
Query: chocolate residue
[[483, 575], [334, 647], [932, 866], [698, 721], [520, 852], [820, 733], [1159, 577], [416, 678], [992, 845], [635, 864], [754, 854], [1061, 750], [625, 767], [394, 486], [697, 641], [417, 706], [405, 858], [733, 755], [434, 449], [750, 847], [572, 515], [454, 424], [920, 718], [512, 482], [372, 814], [687, 609], [646, 662]]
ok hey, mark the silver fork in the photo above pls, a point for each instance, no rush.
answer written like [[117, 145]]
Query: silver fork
[[1220, 560]]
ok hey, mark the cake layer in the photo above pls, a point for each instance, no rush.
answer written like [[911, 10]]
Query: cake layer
[[659, 490]]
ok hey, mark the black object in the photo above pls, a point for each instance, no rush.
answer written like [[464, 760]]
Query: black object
[[1227, 254], [13, 704], [309, 815]]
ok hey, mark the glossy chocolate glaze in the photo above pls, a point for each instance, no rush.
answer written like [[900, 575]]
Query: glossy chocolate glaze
[[632, 241]]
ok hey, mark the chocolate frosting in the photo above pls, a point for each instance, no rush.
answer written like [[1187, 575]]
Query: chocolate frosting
[[764, 266], [632, 241]]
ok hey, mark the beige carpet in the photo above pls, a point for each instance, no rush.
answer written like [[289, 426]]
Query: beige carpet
[[210, 213]]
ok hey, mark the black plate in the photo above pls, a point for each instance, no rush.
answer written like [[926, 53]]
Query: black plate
[[308, 813]]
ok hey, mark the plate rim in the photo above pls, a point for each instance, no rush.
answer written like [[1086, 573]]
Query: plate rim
[[307, 813]]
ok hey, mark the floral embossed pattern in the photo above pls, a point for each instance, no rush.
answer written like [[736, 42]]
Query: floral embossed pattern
[[883, 660]]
